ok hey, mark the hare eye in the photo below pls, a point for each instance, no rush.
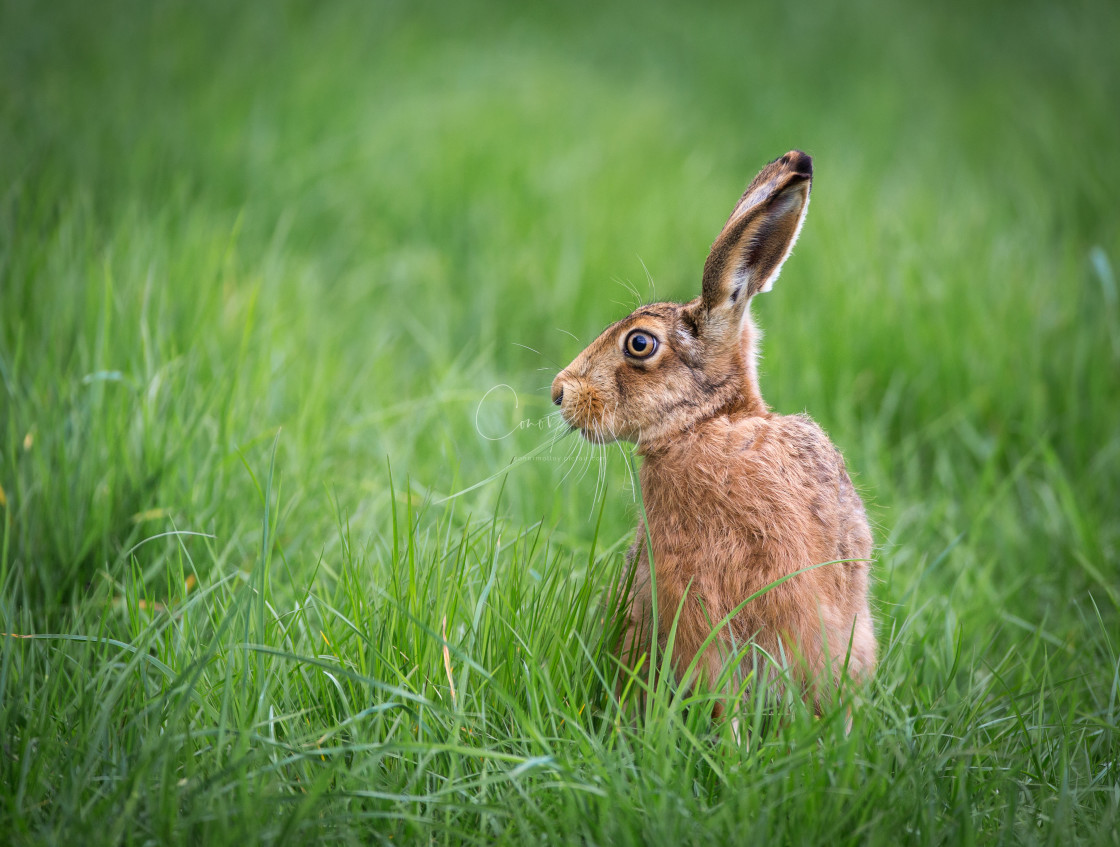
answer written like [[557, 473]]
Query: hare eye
[[640, 344]]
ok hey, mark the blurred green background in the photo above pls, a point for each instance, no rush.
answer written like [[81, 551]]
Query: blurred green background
[[347, 223]]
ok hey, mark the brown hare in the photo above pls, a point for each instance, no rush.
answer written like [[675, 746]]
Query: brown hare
[[736, 497]]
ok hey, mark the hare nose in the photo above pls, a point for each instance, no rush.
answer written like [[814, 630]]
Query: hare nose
[[557, 391]]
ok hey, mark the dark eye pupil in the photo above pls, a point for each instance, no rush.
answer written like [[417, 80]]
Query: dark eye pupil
[[639, 343]]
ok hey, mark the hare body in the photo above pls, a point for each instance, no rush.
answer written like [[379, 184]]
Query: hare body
[[736, 497], [733, 506]]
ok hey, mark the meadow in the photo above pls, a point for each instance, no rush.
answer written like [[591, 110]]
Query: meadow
[[290, 551]]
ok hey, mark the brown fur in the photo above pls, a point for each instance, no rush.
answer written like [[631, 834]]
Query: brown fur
[[736, 496]]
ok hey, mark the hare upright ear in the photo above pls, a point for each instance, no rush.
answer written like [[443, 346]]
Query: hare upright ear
[[757, 238]]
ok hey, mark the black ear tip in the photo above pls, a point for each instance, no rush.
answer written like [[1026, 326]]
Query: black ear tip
[[800, 163]]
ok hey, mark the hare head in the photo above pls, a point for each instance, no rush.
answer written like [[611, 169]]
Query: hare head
[[670, 365]]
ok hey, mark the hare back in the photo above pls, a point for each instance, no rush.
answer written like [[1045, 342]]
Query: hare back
[[737, 503]]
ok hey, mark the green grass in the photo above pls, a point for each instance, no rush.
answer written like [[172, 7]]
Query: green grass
[[260, 267]]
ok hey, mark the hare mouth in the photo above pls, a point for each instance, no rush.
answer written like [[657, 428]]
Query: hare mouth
[[592, 431], [595, 435]]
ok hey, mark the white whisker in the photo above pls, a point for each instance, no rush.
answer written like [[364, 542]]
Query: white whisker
[[538, 352], [629, 286], [649, 279]]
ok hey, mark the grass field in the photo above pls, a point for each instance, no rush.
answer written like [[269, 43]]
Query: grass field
[[281, 285]]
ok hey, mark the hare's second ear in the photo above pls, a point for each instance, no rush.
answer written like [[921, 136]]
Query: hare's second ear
[[760, 233]]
